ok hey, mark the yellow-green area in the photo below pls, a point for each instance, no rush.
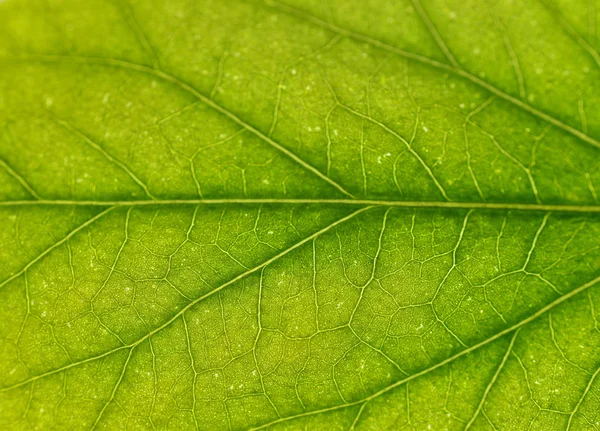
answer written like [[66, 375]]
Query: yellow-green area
[[300, 215]]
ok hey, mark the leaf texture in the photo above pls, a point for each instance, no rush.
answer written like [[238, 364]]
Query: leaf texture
[[299, 215]]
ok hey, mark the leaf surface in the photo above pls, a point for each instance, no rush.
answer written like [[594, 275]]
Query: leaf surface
[[292, 215]]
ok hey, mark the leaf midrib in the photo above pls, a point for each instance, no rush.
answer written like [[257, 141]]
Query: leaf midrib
[[493, 206]]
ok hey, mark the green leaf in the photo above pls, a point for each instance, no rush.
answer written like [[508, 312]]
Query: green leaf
[[322, 215]]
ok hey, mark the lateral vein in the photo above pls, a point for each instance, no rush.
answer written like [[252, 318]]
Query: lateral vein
[[194, 302], [436, 64], [195, 93], [446, 361], [55, 245]]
